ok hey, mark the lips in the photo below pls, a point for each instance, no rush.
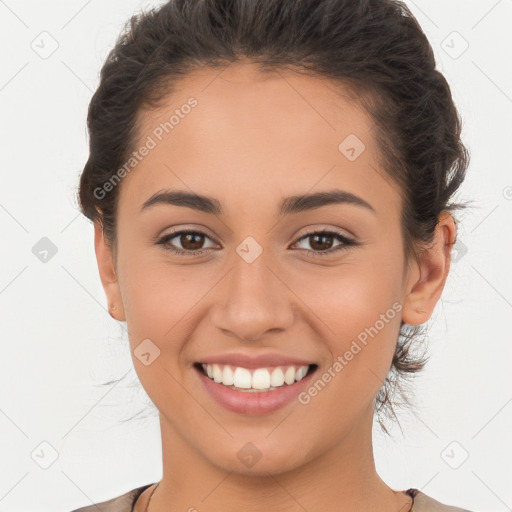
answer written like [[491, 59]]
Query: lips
[[254, 384]]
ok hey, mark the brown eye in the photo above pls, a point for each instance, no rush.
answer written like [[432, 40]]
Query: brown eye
[[191, 242], [322, 243]]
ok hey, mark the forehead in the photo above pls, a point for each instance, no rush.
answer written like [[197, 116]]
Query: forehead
[[250, 132]]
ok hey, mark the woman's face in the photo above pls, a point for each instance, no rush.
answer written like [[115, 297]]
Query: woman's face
[[259, 146]]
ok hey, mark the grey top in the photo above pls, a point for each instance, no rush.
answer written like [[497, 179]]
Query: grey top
[[126, 503]]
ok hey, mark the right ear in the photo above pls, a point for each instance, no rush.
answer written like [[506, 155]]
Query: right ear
[[108, 276]]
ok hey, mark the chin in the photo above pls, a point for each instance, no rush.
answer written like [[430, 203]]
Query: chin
[[268, 459]]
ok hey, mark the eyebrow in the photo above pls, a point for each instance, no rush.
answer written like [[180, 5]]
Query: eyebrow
[[289, 205]]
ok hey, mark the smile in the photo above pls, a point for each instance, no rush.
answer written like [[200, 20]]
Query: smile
[[255, 380], [253, 391]]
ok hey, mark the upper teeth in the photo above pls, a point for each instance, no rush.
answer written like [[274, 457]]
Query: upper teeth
[[260, 378]]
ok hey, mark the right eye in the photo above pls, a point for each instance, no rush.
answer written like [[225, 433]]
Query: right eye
[[189, 239]]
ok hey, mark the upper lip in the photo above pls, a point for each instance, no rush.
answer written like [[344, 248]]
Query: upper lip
[[255, 361]]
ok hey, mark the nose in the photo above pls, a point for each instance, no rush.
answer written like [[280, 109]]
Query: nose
[[252, 301]]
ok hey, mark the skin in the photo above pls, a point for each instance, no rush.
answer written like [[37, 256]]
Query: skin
[[252, 140]]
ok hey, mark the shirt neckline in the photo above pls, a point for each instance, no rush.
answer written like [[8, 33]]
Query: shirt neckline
[[412, 492], [137, 494]]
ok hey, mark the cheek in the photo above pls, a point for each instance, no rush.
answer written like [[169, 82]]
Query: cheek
[[362, 312], [353, 296], [160, 297], [161, 303]]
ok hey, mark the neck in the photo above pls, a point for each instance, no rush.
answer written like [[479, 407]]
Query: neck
[[341, 479]]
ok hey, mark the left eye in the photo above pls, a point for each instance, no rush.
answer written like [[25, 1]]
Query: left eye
[[319, 238], [192, 241]]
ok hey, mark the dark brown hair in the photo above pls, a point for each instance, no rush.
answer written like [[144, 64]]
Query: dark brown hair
[[374, 48]]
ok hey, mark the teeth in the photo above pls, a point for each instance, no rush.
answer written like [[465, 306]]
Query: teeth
[[261, 379], [227, 376], [217, 373], [289, 376], [265, 379], [301, 373], [242, 378], [277, 378]]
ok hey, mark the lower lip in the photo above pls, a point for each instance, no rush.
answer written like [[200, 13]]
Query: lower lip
[[253, 403]]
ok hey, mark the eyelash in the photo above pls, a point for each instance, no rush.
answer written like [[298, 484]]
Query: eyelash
[[346, 242]]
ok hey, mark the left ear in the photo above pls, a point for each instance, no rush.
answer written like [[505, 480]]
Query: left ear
[[422, 292]]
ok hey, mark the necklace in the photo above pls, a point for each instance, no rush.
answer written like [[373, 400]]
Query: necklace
[[149, 501]]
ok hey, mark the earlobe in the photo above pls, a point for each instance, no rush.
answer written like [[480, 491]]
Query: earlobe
[[108, 276], [433, 266]]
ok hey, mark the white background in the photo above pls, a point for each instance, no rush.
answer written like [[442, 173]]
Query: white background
[[59, 343]]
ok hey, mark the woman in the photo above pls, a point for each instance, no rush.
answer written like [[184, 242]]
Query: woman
[[270, 186]]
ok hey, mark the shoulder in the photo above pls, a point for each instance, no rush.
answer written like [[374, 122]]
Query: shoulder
[[123, 503], [424, 503]]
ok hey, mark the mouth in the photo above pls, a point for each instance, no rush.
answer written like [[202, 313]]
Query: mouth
[[255, 380], [253, 391]]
